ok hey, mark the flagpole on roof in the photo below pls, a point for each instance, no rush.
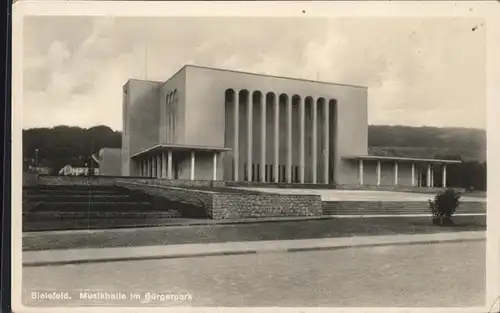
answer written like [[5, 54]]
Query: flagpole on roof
[[146, 61]]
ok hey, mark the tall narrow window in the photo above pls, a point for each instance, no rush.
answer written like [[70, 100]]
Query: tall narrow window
[[170, 105], [174, 112], [167, 117]]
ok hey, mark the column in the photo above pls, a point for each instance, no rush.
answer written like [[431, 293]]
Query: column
[[169, 164], [432, 175], [249, 136], [158, 166], [276, 168], [191, 176], [396, 175], [214, 177], [289, 142], [326, 136], [153, 166], [428, 175], [236, 138], [378, 172], [361, 172], [314, 145], [155, 161], [302, 152], [147, 167], [263, 112], [444, 175], [412, 174], [163, 165]]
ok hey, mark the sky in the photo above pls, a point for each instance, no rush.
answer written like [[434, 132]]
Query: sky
[[419, 71]]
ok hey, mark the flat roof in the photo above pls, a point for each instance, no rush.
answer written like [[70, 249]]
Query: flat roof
[[176, 147], [402, 159], [273, 76], [247, 73], [141, 80]]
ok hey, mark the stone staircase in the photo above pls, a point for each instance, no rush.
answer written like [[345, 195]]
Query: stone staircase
[[83, 207], [392, 208]]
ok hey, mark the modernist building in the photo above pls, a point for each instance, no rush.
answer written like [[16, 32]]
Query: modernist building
[[214, 124]]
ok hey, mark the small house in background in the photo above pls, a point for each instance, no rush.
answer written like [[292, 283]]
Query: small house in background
[[69, 170], [40, 170], [109, 161]]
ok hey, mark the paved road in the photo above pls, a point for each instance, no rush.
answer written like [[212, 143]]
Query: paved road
[[451, 274]]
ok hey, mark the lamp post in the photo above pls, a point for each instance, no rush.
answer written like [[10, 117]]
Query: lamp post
[[36, 157]]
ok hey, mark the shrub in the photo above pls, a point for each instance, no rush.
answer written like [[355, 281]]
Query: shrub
[[444, 206]]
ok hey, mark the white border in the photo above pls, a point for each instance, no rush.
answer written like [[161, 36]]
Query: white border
[[488, 10]]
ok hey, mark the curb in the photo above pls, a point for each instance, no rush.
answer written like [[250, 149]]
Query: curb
[[228, 251], [224, 222]]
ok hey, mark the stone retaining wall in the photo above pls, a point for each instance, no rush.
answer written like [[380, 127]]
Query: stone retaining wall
[[234, 205], [30, 179], [75, 180], [180, 182]]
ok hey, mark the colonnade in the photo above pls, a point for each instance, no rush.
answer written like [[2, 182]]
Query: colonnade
[[160, 165], [414, 182], [251, 99]]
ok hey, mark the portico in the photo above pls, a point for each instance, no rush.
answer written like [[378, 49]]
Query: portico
[[170, 161], [400, 171]]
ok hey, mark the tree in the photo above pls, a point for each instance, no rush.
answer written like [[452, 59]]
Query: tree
[[62, 145], [444, 206]]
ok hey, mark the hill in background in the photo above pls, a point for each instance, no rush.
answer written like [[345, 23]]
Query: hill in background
[[428, 142], [63, 145]]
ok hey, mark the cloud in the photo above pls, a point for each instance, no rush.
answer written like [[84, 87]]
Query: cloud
[[419, 71]]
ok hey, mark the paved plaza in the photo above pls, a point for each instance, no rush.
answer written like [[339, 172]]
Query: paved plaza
[[359, 195], [444, 274]]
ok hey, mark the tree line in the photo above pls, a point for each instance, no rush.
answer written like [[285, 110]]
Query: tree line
[[58, 146]]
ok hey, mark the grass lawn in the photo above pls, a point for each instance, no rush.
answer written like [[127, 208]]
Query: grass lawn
[[325, 228]]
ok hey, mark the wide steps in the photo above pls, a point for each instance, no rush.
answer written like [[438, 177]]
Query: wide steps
[[388, 213], [392, 208], [93, 206], [83, 192], [82, 198], [54, 216]]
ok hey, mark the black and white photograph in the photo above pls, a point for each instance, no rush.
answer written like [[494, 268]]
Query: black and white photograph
[[250, 160]]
